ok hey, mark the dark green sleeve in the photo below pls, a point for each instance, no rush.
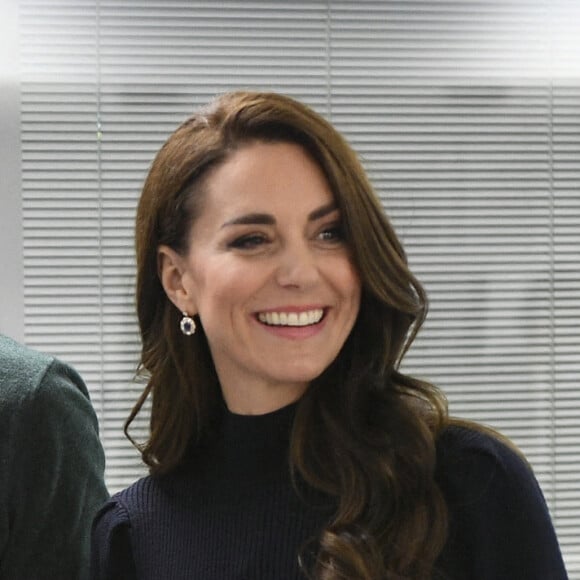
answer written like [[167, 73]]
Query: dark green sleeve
[[56, 480]]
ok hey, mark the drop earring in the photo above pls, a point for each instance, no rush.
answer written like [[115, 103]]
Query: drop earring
[[187, 324]]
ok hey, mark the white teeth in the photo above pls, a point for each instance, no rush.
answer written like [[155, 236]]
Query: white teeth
[[291, 318]]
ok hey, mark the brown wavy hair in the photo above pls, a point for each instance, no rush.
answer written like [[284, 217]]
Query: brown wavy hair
[[364, 432]]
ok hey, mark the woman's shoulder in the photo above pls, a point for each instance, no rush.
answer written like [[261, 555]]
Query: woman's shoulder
[[125, 505], [463, 441], [140, 502], [474, 458], [500, 525]]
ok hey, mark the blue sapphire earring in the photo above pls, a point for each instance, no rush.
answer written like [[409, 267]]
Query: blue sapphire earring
[[187, 324]]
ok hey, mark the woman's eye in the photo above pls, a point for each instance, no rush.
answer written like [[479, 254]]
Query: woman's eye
[[248, 242], [332, 234]]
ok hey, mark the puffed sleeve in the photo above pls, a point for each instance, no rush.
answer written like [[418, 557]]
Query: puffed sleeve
[[500, 526], [111, 552]]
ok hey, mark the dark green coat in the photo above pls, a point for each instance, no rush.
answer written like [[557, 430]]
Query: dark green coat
[[51, 467]]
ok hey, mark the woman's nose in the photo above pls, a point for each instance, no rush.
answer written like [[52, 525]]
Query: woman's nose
[[297, 267]]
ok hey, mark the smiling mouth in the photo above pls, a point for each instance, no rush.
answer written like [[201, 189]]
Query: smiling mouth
[[306, 318]]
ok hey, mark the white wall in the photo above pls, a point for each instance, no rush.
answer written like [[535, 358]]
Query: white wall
[[11, 254]]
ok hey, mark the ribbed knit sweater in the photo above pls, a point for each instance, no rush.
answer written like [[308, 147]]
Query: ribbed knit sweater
[[231, 513]]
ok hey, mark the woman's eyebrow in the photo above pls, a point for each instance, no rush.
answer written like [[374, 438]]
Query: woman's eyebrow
[[263, 219], [322, 211], [266, 219]]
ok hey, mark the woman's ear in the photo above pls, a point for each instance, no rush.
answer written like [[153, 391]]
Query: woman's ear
[[172, 273]]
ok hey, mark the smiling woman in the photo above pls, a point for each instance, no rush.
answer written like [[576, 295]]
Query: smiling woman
[[285, 442], [268, 275]]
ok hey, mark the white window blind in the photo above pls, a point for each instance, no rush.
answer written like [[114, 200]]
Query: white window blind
[[466, 115]]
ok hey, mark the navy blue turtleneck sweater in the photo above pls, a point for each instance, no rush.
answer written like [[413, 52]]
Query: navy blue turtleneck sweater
[[231, 513]]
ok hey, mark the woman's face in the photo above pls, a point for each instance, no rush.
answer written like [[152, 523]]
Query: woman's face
[[269, 275]]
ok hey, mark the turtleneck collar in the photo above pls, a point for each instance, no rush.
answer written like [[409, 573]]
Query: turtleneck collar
[[247, 449], [249, 430]]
